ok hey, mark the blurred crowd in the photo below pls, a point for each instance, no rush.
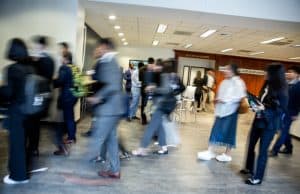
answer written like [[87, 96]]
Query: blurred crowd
[[27, 95]]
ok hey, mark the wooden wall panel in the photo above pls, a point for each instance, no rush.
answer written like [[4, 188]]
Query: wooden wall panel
[[253, 82]]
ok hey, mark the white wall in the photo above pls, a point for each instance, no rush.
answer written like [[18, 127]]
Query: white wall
[[62, 20], [142, 53]]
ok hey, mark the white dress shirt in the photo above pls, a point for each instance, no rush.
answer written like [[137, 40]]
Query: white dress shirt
[[230, 93], [135, 82]]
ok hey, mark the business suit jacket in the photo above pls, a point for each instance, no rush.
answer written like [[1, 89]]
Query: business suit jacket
[[111, 95]]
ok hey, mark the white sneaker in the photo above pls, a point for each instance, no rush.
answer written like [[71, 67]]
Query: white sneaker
[[10, 181], [140, 152], [206, 155], [224, 158]]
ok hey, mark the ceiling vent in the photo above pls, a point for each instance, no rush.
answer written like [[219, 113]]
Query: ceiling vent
[[183, 33], [172, 43], [244, 51], [281, 43]]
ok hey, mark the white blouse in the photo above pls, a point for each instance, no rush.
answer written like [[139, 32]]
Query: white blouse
[[230, 93]]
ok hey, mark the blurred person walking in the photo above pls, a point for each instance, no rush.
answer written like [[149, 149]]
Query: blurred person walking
[[273, 103], [198, 82], [43, 65], [109, 109], [230, 93], [128, 84], [292, 75], [165, 102], [13, 92]]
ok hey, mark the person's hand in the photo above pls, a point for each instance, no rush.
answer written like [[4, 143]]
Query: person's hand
[[93, 100]]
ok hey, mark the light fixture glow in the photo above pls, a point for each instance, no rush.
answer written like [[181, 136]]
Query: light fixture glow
[[257, 53], [226, 50], [123, 39], [296, 45], [207, 33], [161, 28], [294, 58], [125, 43], [188, 46], [112, 17], [121, 34], [155, 42], [272, 40], [117, 27]]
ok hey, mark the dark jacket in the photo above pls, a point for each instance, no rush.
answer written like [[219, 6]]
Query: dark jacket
[[13, 91], [44, 66], [127, 77], [65, 83], [199, 84], [294, 99]]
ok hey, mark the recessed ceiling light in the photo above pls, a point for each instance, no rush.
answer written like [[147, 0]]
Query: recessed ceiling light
[[188, 46], [226, 50], [257, 53], [161, 28], [123, 39], [121, 34], [117, 27], [112, 17], [294, 58], [155, 42], [272, 40], [207, 33], [296, 45], [125, 43]]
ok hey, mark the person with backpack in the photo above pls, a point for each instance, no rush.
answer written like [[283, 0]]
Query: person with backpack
[[66, 100], [13, 92], [42, 65], [165, 100]]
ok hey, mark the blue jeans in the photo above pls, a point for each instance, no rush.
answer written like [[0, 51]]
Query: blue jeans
[[69, 119], [155, 127], [104, 138], [284, 137], [136, 93], [265, 135]]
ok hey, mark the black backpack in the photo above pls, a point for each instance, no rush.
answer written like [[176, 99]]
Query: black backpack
[[37, 95]]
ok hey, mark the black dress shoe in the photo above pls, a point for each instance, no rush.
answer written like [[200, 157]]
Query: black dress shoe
[[252, 181], [273, 154], [286, 151], [87, 134], [136, 118], [246, 172], [161, 152]]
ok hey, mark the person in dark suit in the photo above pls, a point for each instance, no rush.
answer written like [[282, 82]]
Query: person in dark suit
[[110, 107], [43, 65], [13, 92], [291, 114], [273, 103]]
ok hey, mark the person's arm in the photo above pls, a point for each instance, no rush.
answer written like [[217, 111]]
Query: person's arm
[[61, 77]]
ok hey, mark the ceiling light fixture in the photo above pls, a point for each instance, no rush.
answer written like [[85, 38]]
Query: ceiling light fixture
[[112, 17], [188, 46], [207, 33], [294, 58], [123, 39], [257, 53], [155, 42], [296, 45], [125, 43], [272, 40], [121, 34], [117, 27], [161, 28], [226, 50]]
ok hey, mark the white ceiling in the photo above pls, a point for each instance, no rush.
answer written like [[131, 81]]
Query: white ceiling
[[139, 24]]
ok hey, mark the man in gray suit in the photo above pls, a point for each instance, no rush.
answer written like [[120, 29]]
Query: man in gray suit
[[110, 106]]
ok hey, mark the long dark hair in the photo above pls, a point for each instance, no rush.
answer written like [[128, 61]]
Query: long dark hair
[[17, 50], [276, 78]]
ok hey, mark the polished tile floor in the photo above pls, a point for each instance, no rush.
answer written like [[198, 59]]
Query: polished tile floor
[[177, 172]]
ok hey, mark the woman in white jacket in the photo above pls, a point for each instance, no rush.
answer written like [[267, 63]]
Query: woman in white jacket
[[223, 133]]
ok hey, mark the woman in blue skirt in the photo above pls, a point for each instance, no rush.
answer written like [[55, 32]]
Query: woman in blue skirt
[[230, 93]]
